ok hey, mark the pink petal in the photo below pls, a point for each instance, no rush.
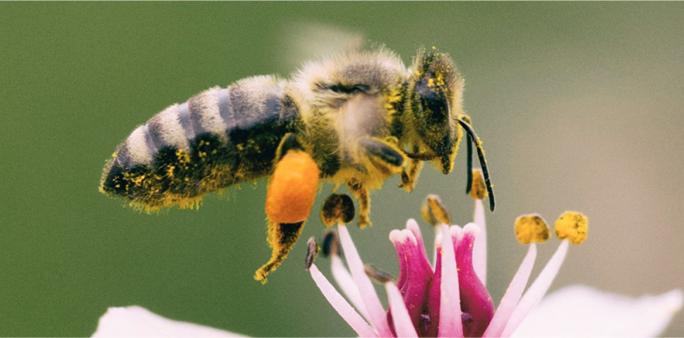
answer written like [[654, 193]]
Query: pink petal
[[476, 303], [403, 324], [512, 295], [370, 298], [346, 311], [537, 290], [415, 272], [431, 325], [394, 236], [450, 301], [346, 283], [480, 249], [412, 226]]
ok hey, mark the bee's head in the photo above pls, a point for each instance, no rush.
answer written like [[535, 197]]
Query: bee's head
[[435, 89]]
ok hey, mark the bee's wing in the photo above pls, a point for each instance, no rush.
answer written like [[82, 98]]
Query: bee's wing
[[307, 40]]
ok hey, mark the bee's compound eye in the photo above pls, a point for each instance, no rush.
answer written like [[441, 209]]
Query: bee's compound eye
[[434, 102]]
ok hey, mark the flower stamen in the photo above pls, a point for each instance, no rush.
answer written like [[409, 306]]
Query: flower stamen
[[573, 226], [479, 190], [434, 212], [531, 228], [337, 208], [376, 274], [311, 252], [331, 245]]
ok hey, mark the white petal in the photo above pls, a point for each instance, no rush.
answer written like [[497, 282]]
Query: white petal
[[374, 309], [480, 248], [344, 309], [513, 293], [135, 321], [537, 290], [345, 281], [450, 324], [400, 316], [583, 311]]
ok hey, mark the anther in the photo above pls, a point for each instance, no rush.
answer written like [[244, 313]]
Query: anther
[[337, 208], [573, 226], [311, 252], [331, 245], [433, 211], [478, 190], [531, 228], [376, 274]]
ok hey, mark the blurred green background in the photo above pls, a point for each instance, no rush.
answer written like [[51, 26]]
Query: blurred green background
[[579, 104]]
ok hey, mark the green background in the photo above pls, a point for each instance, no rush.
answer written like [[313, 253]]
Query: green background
[[580, 107]]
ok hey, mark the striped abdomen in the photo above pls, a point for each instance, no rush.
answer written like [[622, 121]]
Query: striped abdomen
[[217, 138]]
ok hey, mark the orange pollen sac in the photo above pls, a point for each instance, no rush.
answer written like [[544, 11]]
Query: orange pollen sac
[[292, 188]]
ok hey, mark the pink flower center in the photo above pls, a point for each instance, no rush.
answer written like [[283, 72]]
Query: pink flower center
[[420, 287]]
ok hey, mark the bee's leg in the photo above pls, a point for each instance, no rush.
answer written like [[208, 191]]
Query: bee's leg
[[287, 143], [410, 173], [363, 197], [384, 153], [291, 193]]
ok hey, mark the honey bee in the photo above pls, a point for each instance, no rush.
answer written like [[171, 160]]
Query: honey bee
[[351, 120]]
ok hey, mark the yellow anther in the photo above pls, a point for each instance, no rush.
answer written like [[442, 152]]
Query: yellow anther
[[311, 252], [573, 226], [531, 228], [337, 208], [433, 211], [478, 190]]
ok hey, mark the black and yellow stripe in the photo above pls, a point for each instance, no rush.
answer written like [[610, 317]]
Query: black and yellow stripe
[[217, 138]]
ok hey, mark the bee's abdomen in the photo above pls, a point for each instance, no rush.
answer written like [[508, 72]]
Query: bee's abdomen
[[217, 138]]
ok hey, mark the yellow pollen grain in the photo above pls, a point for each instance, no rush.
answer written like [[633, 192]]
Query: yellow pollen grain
[[573, 226], [433, 211], [169, 170], [440, 79], [431, 83], [183, 156], [531, 228], [478, 190]]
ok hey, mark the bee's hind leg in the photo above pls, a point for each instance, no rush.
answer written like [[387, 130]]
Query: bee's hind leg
[[291, 193]]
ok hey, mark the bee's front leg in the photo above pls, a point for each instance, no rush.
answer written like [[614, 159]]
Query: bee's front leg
[[410, 172], [384, 154], [291, 193]]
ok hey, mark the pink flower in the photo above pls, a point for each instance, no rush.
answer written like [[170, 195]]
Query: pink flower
[[448, 297]]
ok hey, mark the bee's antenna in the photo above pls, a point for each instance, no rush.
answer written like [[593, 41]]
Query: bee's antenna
[[481, 156], [469, 159]]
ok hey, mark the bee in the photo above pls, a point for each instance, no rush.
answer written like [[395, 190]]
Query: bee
[[351, 120]]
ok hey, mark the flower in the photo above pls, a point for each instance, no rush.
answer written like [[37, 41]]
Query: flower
[[448, 298]]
